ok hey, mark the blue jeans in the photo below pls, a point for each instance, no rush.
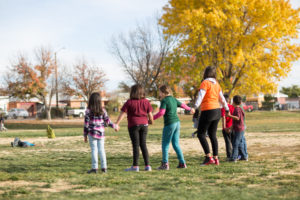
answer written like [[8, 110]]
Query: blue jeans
[[239, 145], [97, 147], [244, 147], [171, 133]]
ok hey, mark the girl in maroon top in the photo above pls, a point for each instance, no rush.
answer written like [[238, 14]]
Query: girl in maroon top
[[139, 113]]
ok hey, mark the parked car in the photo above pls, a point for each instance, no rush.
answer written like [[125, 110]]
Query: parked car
[[79, 112], [248, 108], [17, 112]]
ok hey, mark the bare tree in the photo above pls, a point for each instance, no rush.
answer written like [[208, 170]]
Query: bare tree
[[83, 81], [141, 54]]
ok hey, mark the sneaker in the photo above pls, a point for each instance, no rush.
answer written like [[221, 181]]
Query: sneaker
[[208, 161], [16, 141], [233, 160], [12, 144], [133, 169], [148, 168], [92, 171], [104, 170], [244, 159], [217, 162], [181, 165], [163, 166]]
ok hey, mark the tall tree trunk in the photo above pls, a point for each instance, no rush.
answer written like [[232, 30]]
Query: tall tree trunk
[[48, 111]]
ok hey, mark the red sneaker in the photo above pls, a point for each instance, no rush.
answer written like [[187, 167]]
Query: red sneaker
[[208, 161], [217, 162]]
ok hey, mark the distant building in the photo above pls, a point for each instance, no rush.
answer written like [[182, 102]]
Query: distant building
[[33, 106], [79, 102], [292, 103]]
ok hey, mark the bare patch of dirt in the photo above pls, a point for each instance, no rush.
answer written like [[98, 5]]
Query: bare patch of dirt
[[41, 140], [59, 186]]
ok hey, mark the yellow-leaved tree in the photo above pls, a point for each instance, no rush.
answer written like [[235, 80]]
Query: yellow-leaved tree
[[250, 42]]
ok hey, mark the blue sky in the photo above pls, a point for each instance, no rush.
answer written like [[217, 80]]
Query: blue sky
[[83, 27]]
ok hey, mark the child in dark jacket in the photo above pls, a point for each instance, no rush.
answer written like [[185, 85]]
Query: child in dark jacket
[[239, 141]]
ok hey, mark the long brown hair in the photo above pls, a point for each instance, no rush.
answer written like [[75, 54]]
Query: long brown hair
[[137, 92], [95, 104], [210, 72]]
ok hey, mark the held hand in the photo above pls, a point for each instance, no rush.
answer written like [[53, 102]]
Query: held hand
[[150, 121], [227, 113], [117, 127], [85, 139], [192, 111]]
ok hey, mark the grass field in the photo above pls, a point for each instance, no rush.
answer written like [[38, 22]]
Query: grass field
[[56, 168]]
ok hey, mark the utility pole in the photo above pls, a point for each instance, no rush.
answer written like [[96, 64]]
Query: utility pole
[[56, 75], [56, 80]]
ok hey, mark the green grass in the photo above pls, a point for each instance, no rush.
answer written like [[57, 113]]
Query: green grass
[[57, 170]]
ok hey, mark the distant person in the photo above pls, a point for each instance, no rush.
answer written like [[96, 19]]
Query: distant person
[[171, 130], [239, 141], [139, 115], [18, 143], [195, 120], [227, 127], [95, 120], [209, 98], [2, 127]]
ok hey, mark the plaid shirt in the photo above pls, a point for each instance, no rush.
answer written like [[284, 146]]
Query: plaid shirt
[[95, 125]]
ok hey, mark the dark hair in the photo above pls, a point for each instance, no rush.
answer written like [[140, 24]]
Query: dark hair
[[165, 89], [226, 96], [209, 72], [95, 104], [137, 92], [237, 99]]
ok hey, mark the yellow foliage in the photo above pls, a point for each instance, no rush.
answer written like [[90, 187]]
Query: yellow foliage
[[249, 41]]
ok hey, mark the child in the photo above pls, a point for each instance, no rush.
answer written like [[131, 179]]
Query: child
[[227, 127], [239, 141], [171, 130], [18, 143], [2, 127], [95, 120], [139, 114], [195, 121]]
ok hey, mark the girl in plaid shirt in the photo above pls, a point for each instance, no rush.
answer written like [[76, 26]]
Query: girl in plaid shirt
[[95, 120]]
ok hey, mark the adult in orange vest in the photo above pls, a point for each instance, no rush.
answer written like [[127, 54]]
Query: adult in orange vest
[[210, 98]]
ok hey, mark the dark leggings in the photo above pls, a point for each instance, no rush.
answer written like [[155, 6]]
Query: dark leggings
[[208, 122], [138, 135]]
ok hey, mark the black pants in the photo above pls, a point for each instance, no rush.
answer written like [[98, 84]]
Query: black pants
[[208, 121], [228, 142], [138, 135]]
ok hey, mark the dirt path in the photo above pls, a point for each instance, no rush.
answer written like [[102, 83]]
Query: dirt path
[[258, 143]]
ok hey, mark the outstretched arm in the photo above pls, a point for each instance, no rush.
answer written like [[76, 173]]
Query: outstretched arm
[[233, 117], [160, 113], [184, 106], [223, 101], [120, 118]]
